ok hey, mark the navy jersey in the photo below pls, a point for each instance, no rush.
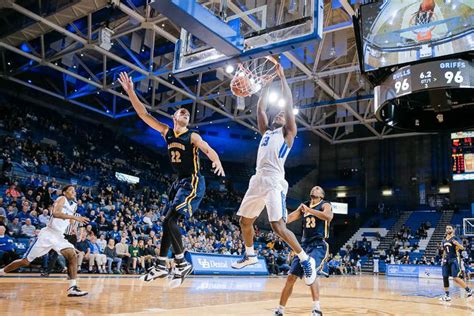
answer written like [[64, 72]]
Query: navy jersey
[[183, 155], [451, 251], [314, 229]]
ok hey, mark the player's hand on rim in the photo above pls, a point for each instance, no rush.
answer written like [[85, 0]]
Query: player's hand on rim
[[126, 82], [218, 169]]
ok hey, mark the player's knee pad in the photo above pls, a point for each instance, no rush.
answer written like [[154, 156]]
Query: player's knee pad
[[446, 281]]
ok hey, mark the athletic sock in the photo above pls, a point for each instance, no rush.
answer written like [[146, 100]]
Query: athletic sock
[[2, 272], [162, 258], [179, 256], [249, 251], [447, 293], [72, 283], [302, 255], [281, 309], [316, 306]]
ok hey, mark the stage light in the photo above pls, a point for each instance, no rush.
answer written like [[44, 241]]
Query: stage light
[[387, 192], [341, 194], [229, 69]]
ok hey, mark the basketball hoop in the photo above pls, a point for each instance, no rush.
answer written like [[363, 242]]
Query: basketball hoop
[[251, 76]]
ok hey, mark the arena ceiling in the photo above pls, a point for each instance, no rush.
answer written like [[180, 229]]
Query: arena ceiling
[[53, 47]]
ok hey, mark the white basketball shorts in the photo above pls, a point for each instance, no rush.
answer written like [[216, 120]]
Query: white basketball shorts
[[266, 191], [47, 239]]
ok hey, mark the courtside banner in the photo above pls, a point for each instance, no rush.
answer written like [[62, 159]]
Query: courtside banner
[[430, 272], [210, 264], [402, 270], [414, 271]]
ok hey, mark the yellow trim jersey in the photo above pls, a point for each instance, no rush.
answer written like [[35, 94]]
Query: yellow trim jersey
[[184, 156]]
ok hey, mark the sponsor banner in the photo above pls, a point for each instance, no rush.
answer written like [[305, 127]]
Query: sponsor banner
[[340, 208], [414, 271], [430, 272], [221, 264], [402, 270]]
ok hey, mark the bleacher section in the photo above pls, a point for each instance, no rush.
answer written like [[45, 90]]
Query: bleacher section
[[370, 234]]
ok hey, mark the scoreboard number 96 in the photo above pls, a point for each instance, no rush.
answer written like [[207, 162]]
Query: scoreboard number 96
[[402, 86], [450, 76]]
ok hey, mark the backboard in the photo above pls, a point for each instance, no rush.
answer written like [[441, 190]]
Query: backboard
[[266, 26]]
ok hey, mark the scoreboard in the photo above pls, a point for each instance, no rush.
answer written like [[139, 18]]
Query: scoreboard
[[451, 73], [462, 156]]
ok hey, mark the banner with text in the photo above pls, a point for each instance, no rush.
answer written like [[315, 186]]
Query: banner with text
[[414, 271], [204, 263]]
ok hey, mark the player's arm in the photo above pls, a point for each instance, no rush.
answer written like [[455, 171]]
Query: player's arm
[[290, 126], [458, 245], [326, 213], [262, 118], [127, 85], [295, 215], [58, 206], [197, 141]]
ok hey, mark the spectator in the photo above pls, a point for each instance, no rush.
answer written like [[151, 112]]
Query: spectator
[[123, 252], [28, 230], [12, 190], [14, 228], [112, 257], [7, 247], [44, 218], [102, 243], [134, 255], [150, 253], [82, 249], [96, 256]]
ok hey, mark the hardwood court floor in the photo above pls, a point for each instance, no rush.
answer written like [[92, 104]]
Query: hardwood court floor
[[348, 295]]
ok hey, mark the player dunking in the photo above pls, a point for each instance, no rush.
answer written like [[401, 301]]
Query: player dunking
[[52, 237], [317, 214], [268, 186], [451, 263], [186, 192]]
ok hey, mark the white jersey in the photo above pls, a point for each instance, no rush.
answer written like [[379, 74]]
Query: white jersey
[[272, 153], [59, 224]]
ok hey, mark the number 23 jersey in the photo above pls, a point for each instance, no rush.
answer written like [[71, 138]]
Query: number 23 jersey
[[184, 156], [314, 229]]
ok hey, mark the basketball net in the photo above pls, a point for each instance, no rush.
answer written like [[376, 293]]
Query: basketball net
[[251, 76], [423, 18]]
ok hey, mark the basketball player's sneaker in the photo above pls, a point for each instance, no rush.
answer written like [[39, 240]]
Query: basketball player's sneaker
[[245, 261], [277, 313], [469, 293], [179, 273], [309, 269], [315, 312], [74, 291], [157, 271], [445, 298]]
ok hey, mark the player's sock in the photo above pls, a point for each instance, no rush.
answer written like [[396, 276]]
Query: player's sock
[[2, 272], [302, 255], [162, 258], [72, 283], [249, 251], [447, 293], [316, 306], [179, 256], [281, 309]]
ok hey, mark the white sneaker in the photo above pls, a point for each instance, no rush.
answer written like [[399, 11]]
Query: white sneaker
[[315, 312], [245, 261], [74, 291], [179, 273], [445, 298], [277, 312], [155, 272], [309, 269]]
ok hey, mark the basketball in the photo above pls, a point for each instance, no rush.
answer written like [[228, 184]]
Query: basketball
[[240, 86]]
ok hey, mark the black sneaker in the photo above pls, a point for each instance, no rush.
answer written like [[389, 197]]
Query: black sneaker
[[277, 313], [74, 291], [469, 293], [158, 271], [45, 274], [179, 273], [315, 312]]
